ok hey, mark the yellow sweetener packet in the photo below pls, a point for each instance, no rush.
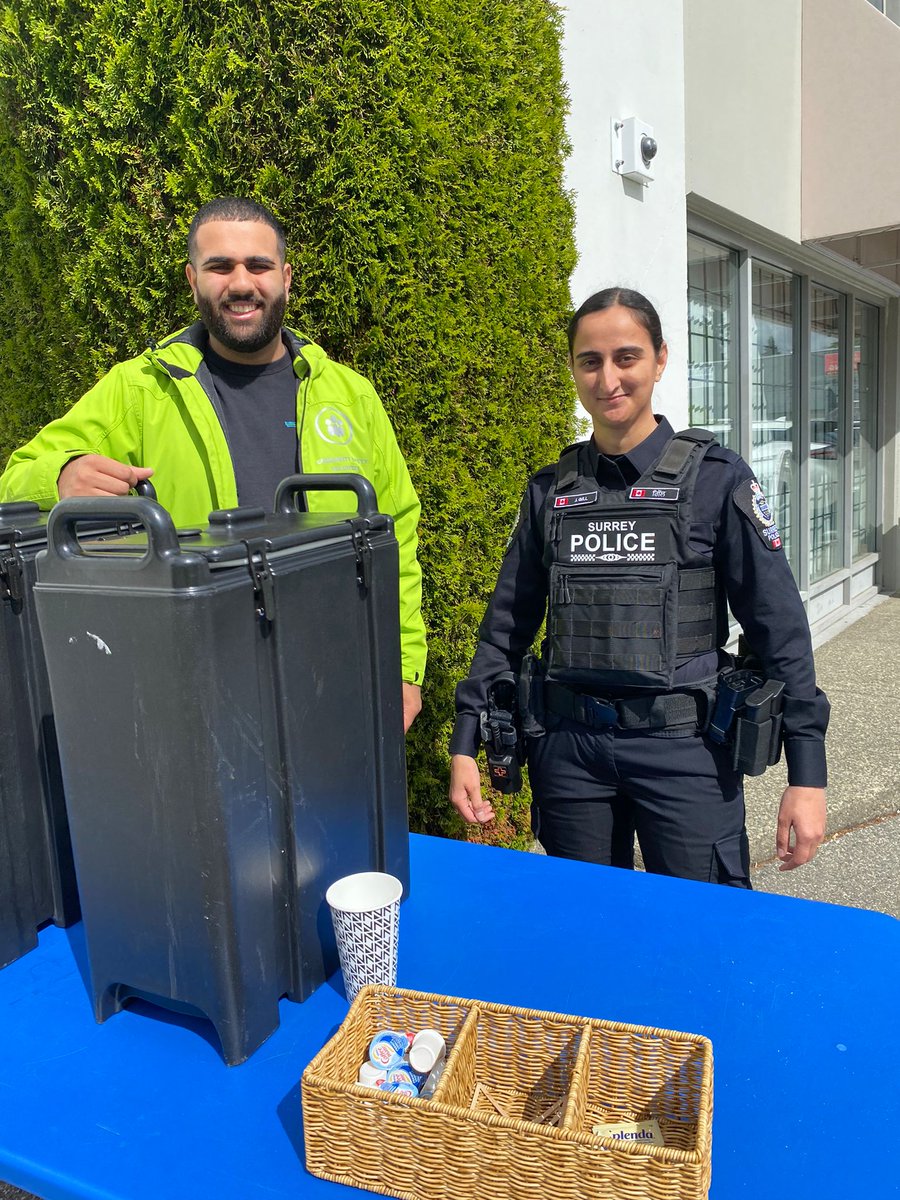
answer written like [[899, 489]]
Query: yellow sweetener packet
[[647, 1133]]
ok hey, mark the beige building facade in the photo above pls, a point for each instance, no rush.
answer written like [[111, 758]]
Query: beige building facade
[[768, 234]]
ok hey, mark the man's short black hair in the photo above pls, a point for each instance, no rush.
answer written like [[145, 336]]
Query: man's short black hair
[[234, 208]]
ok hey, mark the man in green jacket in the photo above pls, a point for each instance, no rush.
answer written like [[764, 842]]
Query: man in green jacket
[[220, 412]]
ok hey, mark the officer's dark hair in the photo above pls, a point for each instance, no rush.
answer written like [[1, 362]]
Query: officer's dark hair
[[610, 297], [234, 208]]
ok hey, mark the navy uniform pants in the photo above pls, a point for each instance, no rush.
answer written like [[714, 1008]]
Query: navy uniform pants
[[594, 789]]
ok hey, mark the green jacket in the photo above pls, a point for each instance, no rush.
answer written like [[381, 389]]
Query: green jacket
[[155, 411]]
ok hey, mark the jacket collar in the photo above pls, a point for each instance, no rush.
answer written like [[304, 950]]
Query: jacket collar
[[612, 471], [181, 354]]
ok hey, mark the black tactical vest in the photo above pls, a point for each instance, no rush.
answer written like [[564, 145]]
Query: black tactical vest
[[629, 598]]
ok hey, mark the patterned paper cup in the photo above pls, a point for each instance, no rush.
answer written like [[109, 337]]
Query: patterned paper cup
[[365, 911]]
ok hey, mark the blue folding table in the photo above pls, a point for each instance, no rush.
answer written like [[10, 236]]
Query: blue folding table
[[801, 1001]]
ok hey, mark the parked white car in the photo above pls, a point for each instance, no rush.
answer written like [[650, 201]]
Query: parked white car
[[774, 463]]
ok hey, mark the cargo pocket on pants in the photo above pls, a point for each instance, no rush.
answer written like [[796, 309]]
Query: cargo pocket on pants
[[730, 863]]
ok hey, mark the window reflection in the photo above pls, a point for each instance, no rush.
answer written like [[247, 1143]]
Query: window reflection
[[773, 452], [890, 8], [863, 430], [823, 436], [825, 426], [712, 331]]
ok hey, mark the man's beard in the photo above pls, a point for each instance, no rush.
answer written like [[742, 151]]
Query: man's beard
[[243, 341]]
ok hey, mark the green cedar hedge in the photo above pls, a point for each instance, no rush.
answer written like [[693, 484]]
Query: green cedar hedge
[[413, 150]]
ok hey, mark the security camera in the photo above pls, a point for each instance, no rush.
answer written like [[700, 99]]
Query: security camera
[[633, 148]]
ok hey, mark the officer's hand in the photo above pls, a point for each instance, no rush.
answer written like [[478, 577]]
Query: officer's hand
[[802, 812], [94, 475], [412, 704], [465, 790]]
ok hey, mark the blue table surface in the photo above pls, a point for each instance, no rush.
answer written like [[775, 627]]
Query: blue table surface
[[800, 1001]]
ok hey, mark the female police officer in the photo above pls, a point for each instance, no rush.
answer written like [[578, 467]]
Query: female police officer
[[637, 538]]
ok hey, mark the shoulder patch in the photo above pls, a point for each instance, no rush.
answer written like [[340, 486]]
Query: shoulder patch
[[749, 499]]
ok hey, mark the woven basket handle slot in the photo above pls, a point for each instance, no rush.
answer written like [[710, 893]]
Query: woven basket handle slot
[[575, 1112], [457, 1083]]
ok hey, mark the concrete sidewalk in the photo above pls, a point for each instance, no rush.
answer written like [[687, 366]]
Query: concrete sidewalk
[[859, 863]]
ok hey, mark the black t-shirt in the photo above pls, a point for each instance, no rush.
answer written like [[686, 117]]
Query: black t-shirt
[[258, 409]]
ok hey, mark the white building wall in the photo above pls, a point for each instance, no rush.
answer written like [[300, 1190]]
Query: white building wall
[[851, 119], [743, 108], [626, 59]]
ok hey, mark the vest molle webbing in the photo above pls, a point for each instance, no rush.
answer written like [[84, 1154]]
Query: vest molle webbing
[[629, 598]]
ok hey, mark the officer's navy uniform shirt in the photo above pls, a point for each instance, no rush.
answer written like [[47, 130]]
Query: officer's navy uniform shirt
[[758, 583]]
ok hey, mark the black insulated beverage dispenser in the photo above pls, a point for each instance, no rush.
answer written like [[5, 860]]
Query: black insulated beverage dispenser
[[229, 715]]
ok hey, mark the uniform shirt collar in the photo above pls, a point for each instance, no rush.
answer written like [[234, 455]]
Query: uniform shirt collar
[[613, 471]]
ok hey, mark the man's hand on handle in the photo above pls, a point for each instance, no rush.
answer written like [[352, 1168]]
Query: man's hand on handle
[[95, 475]]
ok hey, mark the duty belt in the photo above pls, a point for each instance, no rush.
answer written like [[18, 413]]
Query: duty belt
[[687, 710]]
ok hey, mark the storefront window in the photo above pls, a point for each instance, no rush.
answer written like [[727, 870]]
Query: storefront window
[[712, 331], [863, 431], [773, 450], [890, 8], [808, 427], [825, 430]]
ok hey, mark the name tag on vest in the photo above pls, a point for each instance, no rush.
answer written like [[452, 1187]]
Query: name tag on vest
[[654, 493], [574, 501], [623, 540]]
